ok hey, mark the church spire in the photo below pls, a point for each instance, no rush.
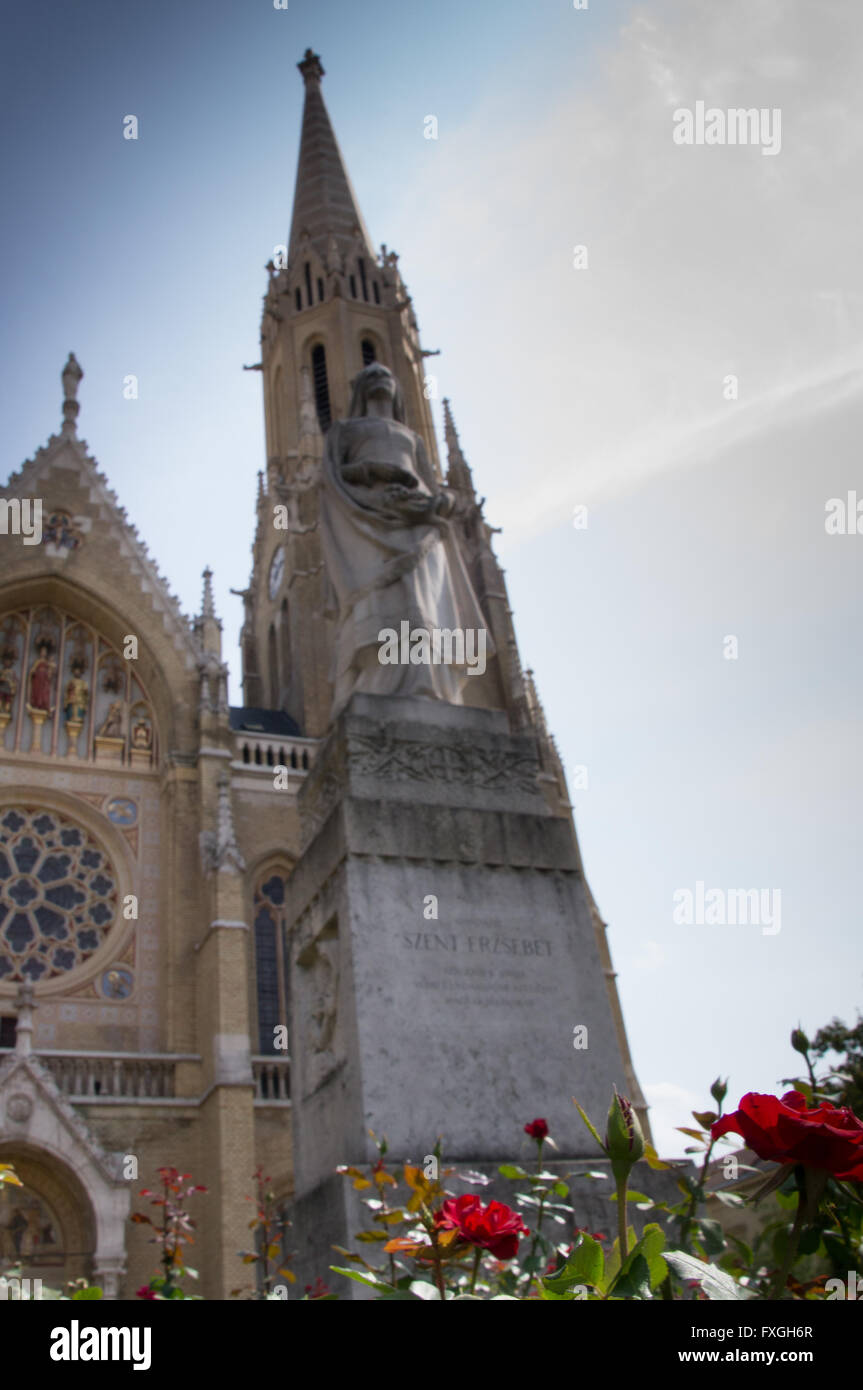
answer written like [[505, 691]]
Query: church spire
[[325, 205], [459, 475]]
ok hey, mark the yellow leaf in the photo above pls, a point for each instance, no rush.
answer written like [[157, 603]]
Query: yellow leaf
[[652, 1158], [405, 1245], [390, 1218], [249, 1259], [273, 1251], [447, 1237], [371, 1235], [289, 1275], [382, 1178]]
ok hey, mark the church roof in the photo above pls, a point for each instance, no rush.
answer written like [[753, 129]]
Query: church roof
[[252, 720], [325, 204]]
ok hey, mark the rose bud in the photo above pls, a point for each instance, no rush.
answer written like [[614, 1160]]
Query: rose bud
[[719, 1090], [537, 1129], [799, 1041], [624, 1141]]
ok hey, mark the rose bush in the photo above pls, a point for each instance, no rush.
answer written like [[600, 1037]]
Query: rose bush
[[786, 1131]]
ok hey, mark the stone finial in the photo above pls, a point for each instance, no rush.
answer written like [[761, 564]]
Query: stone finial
[[71, 377], [25, 1003], [261, 493], [208, 607], [311, 67]]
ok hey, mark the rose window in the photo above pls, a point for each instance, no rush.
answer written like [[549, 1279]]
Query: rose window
[[58, 894]]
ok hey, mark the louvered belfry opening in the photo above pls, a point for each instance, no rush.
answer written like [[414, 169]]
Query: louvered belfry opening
[[321, 385]]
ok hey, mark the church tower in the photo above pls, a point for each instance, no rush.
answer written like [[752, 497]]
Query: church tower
[[332, 306]]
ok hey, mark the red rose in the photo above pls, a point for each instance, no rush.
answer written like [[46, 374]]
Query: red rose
[[144, 1292], [537, 1129], [786, 1132], [495, 1228]]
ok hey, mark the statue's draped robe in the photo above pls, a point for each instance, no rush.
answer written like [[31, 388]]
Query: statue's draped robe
[[386, 571]]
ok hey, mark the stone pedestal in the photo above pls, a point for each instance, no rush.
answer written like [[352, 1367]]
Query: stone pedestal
[[109, 750], [73, 730], [443, 954]]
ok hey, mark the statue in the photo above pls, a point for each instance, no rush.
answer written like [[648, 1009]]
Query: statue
[[390, 552], [77, 695], [142, 735], [8, 682], [42, 675], [112, 725]]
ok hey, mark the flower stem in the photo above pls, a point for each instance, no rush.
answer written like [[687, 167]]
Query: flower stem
[[790, 1251], [621, 1218], [476, 1259]]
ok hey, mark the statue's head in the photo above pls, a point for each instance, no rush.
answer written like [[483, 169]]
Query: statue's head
[[375, 380]]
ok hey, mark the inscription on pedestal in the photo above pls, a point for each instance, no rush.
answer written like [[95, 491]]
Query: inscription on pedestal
[[493, 969]]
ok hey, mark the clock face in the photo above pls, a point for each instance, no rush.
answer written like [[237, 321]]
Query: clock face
[[277, 569]]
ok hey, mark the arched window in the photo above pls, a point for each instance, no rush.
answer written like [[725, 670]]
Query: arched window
[[272, 974], [320, 290], [376, 291], [67, 692], [285, 642], [298, 299], [367, 348], [364, 282], [321, 385], [273, 661], [308, 271]]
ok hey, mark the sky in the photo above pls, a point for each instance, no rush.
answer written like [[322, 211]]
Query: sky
[[692, 379]]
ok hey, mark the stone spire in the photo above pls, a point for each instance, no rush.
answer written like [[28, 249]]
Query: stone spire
[[208, 607], [71, 378], [458, 475], [208, 628], [325, 205]]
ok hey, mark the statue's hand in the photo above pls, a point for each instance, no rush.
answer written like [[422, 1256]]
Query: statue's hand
[[412, 504]]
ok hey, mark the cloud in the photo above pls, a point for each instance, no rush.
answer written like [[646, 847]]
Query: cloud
[[670, 1106], [704, 262]]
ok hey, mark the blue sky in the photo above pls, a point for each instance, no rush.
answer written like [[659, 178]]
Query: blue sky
[[601, 387]]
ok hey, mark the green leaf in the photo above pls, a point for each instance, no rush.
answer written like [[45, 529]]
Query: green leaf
[[420, 1288], [369, 1236], [92, 1291], [719, 1286], [585, 1265], [561, 1188], [589, 1125], [712, 1236], [639, 1198], [360, 1278], [729, 1199], [512, 1170], [634, 1278]]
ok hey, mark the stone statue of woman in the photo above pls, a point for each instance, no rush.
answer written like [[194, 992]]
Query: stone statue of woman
[[389, 548]]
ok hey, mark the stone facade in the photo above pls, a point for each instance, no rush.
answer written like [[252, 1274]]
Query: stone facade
[[181, 880]]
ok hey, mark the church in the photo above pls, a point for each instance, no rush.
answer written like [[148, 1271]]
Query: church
[[240, 937]]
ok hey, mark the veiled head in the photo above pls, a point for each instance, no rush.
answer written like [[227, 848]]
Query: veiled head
[[373, 379]]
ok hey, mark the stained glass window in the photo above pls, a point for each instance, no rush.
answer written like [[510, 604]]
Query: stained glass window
[[58, 894]]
